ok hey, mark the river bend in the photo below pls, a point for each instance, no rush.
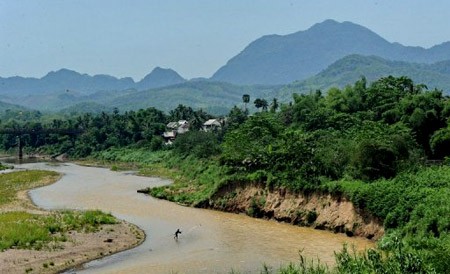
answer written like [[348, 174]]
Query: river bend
[[211, 241]]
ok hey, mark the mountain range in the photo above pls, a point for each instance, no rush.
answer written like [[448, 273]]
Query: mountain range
[[327, 54], [282, 59], [69, 80]]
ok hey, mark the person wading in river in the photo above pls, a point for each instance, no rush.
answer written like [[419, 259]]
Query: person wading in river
[[176, 234]]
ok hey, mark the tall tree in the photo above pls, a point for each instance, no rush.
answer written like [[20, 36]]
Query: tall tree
[[246, 100], [261, 103], [274, 106]]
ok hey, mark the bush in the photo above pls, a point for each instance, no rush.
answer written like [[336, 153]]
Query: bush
[[200, 144]]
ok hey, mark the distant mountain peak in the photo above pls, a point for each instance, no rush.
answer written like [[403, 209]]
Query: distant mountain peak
[[326, 24], [160, 77], [160, 69], [63, 72]]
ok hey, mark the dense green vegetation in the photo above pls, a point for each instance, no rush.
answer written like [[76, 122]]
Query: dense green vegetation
[[350, 68], [385, 146], [83, 135]]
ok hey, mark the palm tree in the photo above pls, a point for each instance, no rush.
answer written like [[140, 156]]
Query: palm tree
[[274, 106], [245, 99], [261, 103]]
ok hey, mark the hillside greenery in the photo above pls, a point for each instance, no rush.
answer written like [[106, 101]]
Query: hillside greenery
[[350, 68], [213, 97], [384, 145]]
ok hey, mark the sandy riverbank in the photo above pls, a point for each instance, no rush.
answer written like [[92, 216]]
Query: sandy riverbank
[[78, 249]]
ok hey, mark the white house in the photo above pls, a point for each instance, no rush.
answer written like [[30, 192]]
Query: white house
[[175, 128], [211, 124]]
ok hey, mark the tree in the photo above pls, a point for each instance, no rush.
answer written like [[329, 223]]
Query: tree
[[274, 106], [247, 146], [261, 103], [440, 143], [197, 143], [246, 100], [236, 117]]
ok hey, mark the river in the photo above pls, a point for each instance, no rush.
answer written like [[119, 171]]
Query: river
[[211, 241]]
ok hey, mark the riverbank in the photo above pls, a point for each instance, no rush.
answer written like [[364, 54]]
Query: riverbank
[[69, 249], [317, 210], [203, 184]]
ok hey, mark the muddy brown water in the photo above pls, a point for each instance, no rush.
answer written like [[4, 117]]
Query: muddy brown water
[[211, 241]]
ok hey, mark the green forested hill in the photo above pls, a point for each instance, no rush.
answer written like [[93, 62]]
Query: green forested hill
[[351, 68], [5, 106], [87, 107], [213, 97]]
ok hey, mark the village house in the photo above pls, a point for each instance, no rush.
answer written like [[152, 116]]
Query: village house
[[211, 125], [175, 128]]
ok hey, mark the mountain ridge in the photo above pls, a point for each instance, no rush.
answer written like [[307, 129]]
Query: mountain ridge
[[281, 59], [70, 80], [351, 68]]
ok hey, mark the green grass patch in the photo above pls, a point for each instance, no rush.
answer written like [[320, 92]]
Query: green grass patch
[[119, 156], [13, 182], [25, 230], [195, 180], [20, 229], [3, 166]]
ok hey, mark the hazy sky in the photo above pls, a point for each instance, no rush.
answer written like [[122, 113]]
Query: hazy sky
[[193, 37]]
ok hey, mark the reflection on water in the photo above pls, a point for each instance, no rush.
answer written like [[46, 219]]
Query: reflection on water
[[26, 160], [211, 242]]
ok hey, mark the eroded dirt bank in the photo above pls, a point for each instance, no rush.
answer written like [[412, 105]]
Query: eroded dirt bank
[[317, 210]]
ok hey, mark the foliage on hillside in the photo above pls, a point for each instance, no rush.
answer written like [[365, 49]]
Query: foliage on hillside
[[213, 97], [350, 68]]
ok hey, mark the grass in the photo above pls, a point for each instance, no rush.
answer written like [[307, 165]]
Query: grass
[[20, 229], [195, 180], [13, 182], [3, 167]]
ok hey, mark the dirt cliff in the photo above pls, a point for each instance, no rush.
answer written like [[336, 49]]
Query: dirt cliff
[[317, 210]]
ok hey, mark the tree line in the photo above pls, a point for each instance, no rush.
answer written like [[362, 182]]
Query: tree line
[[364, 131]]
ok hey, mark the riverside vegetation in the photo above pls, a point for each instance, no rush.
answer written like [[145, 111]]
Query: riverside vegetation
[[384, 146]]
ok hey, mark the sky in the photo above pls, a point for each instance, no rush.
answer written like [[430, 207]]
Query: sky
[[129, 38]]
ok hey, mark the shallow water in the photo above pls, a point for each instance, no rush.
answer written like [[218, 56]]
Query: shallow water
[[211, 241]]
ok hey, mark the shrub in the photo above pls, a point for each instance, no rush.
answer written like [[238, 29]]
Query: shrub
[[200, 144]]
